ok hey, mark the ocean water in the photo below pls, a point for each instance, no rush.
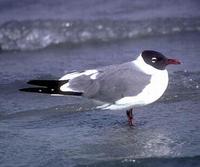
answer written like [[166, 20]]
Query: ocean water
[[46, 39]]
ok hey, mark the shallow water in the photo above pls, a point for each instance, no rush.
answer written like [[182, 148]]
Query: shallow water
[[41, 130], [60, 131]]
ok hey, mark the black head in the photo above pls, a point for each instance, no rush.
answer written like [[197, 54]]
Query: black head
[[157, 59]]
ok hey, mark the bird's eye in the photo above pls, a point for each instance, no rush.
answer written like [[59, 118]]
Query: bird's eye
[[154, 59]]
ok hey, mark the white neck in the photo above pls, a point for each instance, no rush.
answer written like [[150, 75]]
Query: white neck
[[146, 68], [158, 83]]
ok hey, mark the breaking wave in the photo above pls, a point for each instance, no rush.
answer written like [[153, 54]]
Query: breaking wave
[[38, 34]]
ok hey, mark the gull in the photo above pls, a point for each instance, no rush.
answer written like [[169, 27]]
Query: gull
[[121, 86]]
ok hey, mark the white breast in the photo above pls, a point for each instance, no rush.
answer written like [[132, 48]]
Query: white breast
[[152, 92], [158, 83], [155, 89]]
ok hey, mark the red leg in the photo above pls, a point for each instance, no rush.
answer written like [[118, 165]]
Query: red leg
[[129, 114]]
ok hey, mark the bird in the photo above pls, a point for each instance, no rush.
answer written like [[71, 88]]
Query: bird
[[116, 87]]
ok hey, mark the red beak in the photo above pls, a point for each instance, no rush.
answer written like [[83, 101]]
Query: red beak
[[173, 61]]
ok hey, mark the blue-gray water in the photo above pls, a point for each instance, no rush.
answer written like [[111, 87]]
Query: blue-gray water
[[45, 39]]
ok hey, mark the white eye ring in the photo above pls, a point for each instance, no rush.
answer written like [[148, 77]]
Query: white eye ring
[[154, 59]]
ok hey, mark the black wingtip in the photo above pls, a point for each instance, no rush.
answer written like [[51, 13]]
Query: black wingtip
[[49, 87], [49, 91], [47, 83], [36, 90], [31, 82], [23, 90]]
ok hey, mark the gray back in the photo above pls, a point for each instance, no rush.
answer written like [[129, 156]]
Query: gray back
[[112, 83]]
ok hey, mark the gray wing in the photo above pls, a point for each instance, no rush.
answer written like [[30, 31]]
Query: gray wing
[[111, 83]]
